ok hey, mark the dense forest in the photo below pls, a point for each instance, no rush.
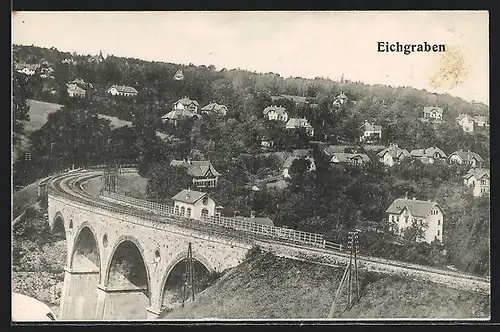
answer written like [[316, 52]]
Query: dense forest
[[330, 200]]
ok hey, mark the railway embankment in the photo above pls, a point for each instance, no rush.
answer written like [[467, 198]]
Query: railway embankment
[[266, 286]]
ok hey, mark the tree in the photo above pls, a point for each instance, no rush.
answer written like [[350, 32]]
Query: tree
[[20, 108]]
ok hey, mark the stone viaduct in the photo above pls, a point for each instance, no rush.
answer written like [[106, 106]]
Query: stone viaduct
[[117, 265]]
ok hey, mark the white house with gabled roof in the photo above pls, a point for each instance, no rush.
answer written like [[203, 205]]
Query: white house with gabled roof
[[194, 204], [404, 212]]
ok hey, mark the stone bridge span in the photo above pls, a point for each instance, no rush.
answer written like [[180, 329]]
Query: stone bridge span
[[119, 258], [117, 265]]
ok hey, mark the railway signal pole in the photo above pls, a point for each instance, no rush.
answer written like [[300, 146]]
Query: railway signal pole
[[350, 274], [110, 178], [188, 276]]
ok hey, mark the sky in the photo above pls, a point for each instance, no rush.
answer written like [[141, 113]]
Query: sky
[[305, 44]]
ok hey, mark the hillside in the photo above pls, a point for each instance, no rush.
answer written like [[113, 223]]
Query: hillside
[[268, 287]]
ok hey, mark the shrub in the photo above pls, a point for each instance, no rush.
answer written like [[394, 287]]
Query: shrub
[[253, 252]]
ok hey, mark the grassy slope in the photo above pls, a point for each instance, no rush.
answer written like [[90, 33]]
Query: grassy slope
[[272, 287], [132, 182], [115, 122], [39, 112], [24, 198]]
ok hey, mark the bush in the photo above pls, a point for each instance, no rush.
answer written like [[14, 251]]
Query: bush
[[253, 252]]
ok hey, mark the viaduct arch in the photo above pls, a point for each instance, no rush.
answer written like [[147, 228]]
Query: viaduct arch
[[118, 265]]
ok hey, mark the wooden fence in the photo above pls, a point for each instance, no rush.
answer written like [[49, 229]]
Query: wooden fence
[[285, 234]]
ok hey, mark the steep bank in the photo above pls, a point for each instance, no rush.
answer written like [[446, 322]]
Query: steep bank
[[38, 260], [269, 287]]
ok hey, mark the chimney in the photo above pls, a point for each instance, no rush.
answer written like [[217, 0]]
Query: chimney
[[188, 194], [252, 214]]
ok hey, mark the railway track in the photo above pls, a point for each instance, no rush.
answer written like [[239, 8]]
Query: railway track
[[70, 186]]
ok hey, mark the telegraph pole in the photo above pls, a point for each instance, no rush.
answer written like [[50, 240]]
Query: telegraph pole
[[350, 274]]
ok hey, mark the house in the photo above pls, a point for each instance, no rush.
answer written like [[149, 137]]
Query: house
[[392, 154], [194, 204], [96, 58], [466, 157], [289, 161], [481, 121], [186, 104], [256, 220], [81, 83], [466, 122], [74, 91], [121, 90], [433, 113], [371, 132], [478, 179], [203, 173], [174, 116], [46, 72], [341, 99], [27, 69], [276, 113], [69, 61], [350, 158], [179, 76], [429, 155], [266, 142], [214, 108], [403, 212], [295, 123]]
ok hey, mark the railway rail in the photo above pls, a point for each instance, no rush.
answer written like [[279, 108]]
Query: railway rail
[[70, 186]]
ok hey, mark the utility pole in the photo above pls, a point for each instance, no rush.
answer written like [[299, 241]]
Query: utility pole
[[350, 274], [110, 178], [188, 276]]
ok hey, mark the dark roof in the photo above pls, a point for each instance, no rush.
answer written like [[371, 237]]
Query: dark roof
[[74, 88], [278, 109], [257, 220], [186, 101], [367, 126], [298, 122], [478, 173], [214, 107], [428, 109], [467, 155], [394, 151], [20, 66], [196, 168], [189, 196], [123, 89], [429, 152], [415, 207], [177, 114]]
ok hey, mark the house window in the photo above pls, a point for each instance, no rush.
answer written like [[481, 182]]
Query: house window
[[438, 232], [483, 182], [406, 219], [204, 213], [176, 209], [188, 211], [205, 200], [182, 211], [439, 222]]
